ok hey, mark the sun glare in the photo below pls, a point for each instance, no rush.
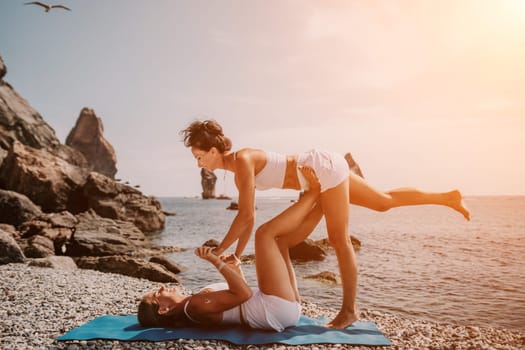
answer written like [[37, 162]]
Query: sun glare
[[518, 6]]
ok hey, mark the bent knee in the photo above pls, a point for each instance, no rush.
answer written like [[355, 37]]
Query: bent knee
[[262, 231]]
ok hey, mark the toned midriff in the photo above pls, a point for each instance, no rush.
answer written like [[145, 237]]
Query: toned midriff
[[291, 181]]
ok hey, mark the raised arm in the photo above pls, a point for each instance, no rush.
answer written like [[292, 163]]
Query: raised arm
[[237, 293]]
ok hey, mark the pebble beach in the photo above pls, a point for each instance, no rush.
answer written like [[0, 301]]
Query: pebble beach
[[40, 304]]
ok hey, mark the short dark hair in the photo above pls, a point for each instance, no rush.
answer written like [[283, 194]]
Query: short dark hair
[[206, 134]]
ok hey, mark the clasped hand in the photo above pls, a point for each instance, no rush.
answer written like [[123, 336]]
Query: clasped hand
[[206, 253]]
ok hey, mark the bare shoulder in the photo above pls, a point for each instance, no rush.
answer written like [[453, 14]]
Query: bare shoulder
[[251, 155], [203, 307], [205, 290]]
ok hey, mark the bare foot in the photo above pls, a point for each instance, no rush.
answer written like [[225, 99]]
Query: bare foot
[[456, 203], [313, 182], [343, 320]]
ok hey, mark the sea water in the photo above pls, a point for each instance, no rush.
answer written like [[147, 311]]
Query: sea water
[[425, 262]]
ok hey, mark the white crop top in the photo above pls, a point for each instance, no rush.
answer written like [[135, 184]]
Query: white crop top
[[260, 311], [232, 315], [272, 175]]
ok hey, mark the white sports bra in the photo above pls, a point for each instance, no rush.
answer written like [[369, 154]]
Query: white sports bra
[[272, 175], [232, 315]]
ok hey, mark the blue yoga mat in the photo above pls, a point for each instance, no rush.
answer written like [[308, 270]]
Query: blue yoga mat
[[307, 331]]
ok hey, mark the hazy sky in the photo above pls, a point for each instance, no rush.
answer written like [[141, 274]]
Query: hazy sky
[[423, 93]]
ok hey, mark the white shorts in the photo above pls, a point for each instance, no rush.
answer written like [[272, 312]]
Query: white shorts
[[331, 168], [265, 311]]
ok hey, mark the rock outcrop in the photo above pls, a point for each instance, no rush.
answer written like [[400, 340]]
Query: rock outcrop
[[19, 121], [128, 266], [233, 206], [97, 236], [55, 262], [325, 243], [3, 69], [10, 229], [87, 136], [352, 164], [15, 208], [326, 277], [54, 204], [308, 250], [47, 234], [49, 181], [56, 185], [10, 251], [114, 200], [167, 263], [208, 180], [38, 247]]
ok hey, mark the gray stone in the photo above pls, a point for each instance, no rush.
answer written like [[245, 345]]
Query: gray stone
[[325, 243], [62, 219], [129, 266], [10, 229], [10, 251], [308, 250], [54, 188], [56, 262], [93, 243], [16, 208], [167, 263], [97, 236], [233, 206], [325, 277], [113, 200], [57, 227], [39, 247]]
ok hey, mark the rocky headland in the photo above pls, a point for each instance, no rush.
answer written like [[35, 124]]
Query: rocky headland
[[60, 203]]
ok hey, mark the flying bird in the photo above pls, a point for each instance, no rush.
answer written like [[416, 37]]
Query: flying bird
[[47, 7]]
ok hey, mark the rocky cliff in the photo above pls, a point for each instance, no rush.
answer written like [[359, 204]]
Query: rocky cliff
[[62, 200], [87, 136], [3, 69]]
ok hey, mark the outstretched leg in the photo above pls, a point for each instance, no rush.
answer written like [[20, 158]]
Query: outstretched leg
[[362, 194]]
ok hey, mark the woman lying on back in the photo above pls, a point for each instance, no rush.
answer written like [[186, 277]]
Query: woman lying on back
[[275, 304]]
